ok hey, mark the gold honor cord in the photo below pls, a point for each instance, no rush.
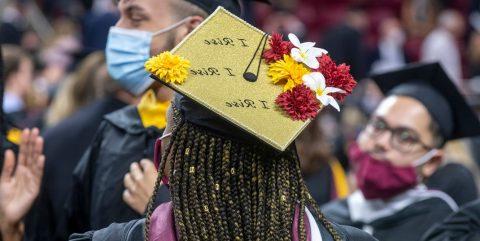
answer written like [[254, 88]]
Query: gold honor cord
[[249, 76]]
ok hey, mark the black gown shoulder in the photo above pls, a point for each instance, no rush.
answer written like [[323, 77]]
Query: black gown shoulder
[[463, 225]]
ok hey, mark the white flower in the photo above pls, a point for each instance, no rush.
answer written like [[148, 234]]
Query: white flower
[[316, 82], [305, 52]]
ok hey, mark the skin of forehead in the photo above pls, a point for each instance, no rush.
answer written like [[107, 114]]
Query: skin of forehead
[[407, 112]]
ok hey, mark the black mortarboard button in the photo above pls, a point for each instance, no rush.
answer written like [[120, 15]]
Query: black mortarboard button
[[429, 84]]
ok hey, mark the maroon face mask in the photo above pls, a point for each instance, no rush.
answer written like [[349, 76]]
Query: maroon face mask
[[378, 179]]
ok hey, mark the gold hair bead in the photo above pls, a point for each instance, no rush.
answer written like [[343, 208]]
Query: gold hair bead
[[232, 171], [187, 151], [217, 186], [192, 170], [205, 208]]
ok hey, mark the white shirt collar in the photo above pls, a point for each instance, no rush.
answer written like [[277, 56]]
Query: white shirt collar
[[367, 211]]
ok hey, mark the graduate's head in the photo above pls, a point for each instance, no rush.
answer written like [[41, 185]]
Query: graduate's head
[[401, 131], [155, 16], [402, 143], [147, 28], [226, 185]]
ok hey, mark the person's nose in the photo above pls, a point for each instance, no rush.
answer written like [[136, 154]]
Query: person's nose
[[381, 143]]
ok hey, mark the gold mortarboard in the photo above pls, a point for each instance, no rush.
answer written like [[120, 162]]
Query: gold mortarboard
[[220, 66]]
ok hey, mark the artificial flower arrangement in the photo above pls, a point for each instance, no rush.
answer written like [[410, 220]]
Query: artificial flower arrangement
[[310, 78]]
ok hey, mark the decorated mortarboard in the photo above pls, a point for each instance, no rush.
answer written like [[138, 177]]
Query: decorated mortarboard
[[430, 85], [234, 78]]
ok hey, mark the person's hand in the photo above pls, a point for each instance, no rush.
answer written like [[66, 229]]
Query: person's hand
[[139, 184], [20, 183]]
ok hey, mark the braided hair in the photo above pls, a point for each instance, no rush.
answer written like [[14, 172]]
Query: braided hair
[[224, 189]]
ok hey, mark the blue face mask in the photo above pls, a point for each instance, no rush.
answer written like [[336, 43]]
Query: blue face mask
[[126, 53]]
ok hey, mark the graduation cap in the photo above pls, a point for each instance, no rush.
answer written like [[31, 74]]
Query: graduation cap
[[429, 84], [227, 86]]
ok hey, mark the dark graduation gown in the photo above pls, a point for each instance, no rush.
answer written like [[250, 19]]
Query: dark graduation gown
[[463, 225], [64, 145], [96, 197], [463, 190], [406, 217], [163, 228]]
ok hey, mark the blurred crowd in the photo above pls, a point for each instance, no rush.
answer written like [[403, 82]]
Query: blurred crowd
[[55, 71]]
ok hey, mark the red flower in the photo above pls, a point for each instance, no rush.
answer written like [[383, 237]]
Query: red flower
[[337, 76], [299, 103], [277, 49]]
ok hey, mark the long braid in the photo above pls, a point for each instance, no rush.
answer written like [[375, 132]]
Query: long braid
[[210, 181], [219, 190], [187, 197], [285, 199], [151, 202], [235, 191], [235, 201], [206, 218]]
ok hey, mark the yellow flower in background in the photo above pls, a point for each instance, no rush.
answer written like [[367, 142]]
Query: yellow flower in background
[[168, 67], [287, 72]]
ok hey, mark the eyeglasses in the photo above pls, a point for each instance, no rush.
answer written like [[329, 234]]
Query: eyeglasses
[[402, 139], [157, 153]]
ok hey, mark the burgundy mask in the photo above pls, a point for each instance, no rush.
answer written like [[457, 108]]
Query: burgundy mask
[[378, 179]]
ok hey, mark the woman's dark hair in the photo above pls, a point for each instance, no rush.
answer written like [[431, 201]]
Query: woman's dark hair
[[223, 189]]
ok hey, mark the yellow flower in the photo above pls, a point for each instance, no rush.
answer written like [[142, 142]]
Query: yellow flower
[[168, 67], [287, 72]]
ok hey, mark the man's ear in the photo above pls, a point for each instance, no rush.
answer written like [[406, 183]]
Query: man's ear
[[431, 166], [188, 27]]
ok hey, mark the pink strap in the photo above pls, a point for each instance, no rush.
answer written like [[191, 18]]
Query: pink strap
[[156, 153]]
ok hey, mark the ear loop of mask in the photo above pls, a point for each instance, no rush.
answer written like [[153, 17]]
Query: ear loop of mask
[[174, 26], [425, 158]]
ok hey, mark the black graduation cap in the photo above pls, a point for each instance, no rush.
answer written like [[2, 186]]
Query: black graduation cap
[[429, 84], [234, 6]]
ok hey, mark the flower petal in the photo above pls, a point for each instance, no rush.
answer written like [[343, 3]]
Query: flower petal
[[329, 90], [296, 55], [312, 62], [307, 45], [333, 102], [293, 38], [310, 82], [317, 52], [323, 99]]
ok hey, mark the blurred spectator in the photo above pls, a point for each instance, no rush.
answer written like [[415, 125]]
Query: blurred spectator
[[18, 72], [12, 24], [284, 22], [95, 25], [58, 56], [473, 54], [88, 83], [441, 44], [65, 143], [324, 176], [390, 46], [344, 42]]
